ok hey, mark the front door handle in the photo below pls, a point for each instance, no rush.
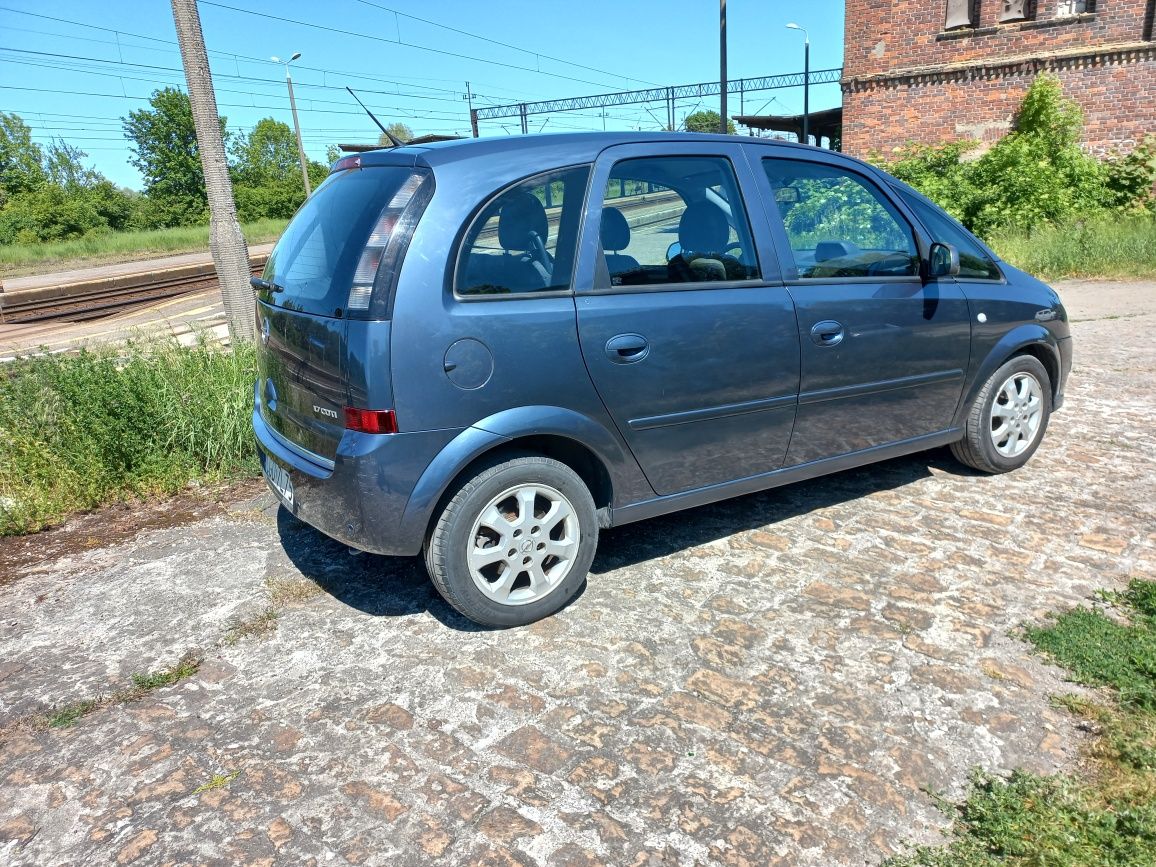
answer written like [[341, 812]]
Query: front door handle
[[627, 348], [827, 333]]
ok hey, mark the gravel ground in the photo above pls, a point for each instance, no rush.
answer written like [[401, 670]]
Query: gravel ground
[[781, 678]]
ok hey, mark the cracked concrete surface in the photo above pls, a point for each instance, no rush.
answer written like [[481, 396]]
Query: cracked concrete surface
[[776, 679]]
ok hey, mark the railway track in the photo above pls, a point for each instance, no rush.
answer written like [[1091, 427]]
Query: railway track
[[94, 299]]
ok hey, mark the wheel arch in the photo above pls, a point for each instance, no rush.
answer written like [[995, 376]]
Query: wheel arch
[[577, 441], [1029, 339]]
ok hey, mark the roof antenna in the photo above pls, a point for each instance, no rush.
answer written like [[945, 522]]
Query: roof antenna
[[396, 141]]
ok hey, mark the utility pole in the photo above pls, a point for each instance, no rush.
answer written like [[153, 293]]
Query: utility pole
[[722, 75], [227, 244], [296, 125], [473, 113]]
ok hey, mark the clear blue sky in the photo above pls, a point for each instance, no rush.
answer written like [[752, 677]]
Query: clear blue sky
[[73, 75]]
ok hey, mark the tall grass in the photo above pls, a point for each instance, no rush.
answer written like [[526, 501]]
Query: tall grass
[[1115, 247], [80, 430], [96, 248]]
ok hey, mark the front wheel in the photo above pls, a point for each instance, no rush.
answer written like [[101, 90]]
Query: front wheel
[[1008, 417], [514, 543]]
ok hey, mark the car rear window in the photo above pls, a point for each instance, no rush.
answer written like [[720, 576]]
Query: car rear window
[[314, 260]]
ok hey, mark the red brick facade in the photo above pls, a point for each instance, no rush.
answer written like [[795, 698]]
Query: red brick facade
[[906, 79]]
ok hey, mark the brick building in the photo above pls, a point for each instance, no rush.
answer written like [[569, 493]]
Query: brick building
[[939, 70]]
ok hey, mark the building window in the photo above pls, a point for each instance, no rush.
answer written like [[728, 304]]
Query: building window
[[1014, 10], [961, 13], [1071, 8]]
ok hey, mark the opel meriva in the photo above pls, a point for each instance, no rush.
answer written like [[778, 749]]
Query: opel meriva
[[487, 350]]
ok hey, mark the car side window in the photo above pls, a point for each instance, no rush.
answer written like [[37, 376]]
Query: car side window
[[974, 262], [839, 224], [675, 220], [524, 240]]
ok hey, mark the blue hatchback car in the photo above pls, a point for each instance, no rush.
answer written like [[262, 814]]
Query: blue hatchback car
[[488, 350]]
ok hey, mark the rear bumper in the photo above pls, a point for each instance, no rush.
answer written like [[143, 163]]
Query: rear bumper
[[361, 500]]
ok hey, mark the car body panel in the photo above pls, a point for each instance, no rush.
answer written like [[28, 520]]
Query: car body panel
[[735, 374]]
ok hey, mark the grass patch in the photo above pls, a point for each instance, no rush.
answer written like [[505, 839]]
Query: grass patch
[[101, 248], [70, 714], [78, 431], [255, 627], [219, 781], [166, 676], [1106, 247], [1104, 818]]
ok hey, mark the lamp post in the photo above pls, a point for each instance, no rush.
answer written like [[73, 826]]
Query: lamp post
[[296, 125], [806, 81], [722, 54]]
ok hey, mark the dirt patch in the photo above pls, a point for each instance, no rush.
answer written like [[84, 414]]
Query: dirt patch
[[20, 555]]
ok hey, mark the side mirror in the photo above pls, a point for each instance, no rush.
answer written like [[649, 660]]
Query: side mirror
[[787, 195], [673, 250], [943, 260]]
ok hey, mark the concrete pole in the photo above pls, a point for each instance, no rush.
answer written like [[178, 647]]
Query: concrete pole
[[226, 243]]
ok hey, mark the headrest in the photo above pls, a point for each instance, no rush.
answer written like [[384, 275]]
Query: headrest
[[703, 229], [521, 214], [615, 230], [825, 250]]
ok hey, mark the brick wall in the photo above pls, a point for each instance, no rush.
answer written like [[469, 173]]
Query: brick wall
[[906, 79]]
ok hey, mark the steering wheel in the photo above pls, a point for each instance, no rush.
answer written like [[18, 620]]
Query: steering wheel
[[891, 265], [734, 245], [539, 253]]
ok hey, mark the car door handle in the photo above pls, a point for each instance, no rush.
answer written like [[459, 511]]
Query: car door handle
[[627, 348], [827, 333]]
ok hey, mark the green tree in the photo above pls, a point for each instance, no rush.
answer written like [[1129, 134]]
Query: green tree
[[400, 131], [266, 172], [21, 159], [164, 150], [49, 194], [268, 154], [706, 120]]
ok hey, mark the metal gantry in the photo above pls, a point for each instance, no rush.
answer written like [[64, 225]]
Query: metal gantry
[[669, 95]]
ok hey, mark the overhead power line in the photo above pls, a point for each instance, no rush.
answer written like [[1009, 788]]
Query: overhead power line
[[404, 80], [399, 41], [503, 44]]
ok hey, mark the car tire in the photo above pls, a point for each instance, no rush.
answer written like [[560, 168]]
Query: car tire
[[513, 543], [1007, 420]]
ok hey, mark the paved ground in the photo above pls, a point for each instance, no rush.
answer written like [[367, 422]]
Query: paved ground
[[778, 679]]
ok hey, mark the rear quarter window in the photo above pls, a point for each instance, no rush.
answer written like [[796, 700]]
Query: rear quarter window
[[525, 239]]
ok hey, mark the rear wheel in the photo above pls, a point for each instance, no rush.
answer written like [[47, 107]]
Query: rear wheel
[[1008, 417], [514, 543]]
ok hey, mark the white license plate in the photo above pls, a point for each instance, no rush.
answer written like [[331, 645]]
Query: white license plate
[[278, 478]]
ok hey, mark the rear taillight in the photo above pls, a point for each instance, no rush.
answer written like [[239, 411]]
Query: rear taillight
[[387, 240], [374, 421]]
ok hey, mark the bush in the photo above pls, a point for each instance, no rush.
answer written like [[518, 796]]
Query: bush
[[52, 212], [1035, 176], [80, 430]]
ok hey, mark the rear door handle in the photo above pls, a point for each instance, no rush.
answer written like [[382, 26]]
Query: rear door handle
[[827, 333], [627, 348]]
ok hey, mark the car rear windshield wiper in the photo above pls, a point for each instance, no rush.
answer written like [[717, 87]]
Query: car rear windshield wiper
[[265, 285]]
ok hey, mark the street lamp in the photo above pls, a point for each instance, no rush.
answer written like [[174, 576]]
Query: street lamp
[[296, 125], [806, 81]]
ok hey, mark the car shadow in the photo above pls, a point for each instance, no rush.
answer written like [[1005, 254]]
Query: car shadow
[[660, 537], [399, 586]]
